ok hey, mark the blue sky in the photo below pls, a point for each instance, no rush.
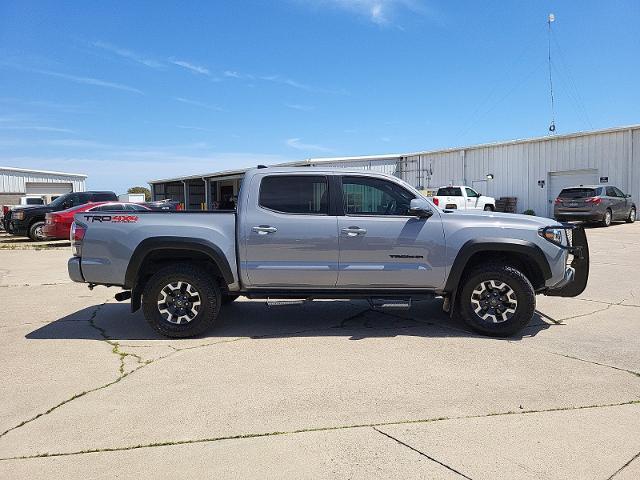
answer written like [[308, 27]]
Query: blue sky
[[131, 91]]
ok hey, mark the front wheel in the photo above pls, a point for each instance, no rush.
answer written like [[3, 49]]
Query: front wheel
[[497, 300], [488, 208], [632, 215], [181, 300], [36, 231]]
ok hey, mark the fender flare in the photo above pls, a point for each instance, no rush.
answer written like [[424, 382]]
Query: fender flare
[[152, 244], [471, 247]]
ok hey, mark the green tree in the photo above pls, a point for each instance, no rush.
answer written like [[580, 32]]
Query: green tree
[[145, 190]]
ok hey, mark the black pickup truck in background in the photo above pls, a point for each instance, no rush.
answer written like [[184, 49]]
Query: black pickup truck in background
[[29, 220]]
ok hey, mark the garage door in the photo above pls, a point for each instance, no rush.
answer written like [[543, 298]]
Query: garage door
[[566, 179], [46, 188]]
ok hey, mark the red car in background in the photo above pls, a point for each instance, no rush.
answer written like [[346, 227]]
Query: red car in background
[[58, 224]]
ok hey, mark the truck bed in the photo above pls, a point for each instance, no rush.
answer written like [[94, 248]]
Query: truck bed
[[106, 262]]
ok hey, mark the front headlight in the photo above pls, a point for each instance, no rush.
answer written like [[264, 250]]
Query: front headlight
[[18, 215], [554, 235]]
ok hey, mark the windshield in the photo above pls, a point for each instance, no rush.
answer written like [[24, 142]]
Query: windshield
[[578, 193], [60, 200]]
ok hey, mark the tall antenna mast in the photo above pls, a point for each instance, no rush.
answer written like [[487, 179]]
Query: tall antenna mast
[[552, 126]]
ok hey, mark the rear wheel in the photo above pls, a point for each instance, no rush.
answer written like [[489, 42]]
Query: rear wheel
[[181, 300], [632, 215], [606, 219], [36, 231], [497, 300]]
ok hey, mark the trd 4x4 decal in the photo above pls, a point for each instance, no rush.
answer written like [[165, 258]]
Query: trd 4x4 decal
[[111, 218]]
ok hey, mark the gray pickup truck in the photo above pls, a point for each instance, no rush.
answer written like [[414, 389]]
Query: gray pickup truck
[[303, 234]]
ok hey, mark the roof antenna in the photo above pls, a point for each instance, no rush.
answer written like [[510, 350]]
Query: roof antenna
[[552, 126]]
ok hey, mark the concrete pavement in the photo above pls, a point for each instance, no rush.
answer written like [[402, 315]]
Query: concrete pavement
[[325, 390]]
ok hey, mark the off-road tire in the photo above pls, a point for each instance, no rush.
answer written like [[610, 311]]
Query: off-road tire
[[35, 231], [205, 285], [512, 277], [228, 298], [607, 218], [632, 215]]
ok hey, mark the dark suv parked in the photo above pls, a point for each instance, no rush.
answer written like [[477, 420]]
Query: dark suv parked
[[29, 221], [594, 203]]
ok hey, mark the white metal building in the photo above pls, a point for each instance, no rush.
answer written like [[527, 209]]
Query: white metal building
[[20, 182], [533, 170]]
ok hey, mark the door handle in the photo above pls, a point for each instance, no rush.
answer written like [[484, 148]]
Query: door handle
[[354, 231], [264, 229]]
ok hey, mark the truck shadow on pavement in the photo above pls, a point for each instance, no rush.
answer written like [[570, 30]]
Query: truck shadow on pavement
[[256, 320]]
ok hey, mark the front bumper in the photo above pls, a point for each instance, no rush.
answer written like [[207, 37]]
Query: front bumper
[[19, 227], [577, 271], [75, 272]]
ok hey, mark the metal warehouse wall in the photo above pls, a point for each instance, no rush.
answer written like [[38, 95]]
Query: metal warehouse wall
[[518, 166], [15, 181]]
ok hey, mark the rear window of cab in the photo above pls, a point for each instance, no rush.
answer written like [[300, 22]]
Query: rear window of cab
[[449, 192]]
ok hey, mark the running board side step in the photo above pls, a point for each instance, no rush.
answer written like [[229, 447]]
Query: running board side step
[[281, 302], [374, 302], [390, 303]]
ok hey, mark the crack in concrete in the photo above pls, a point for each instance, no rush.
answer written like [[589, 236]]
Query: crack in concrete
[[122, 374], [619, 304], [624, 466], [422, 453], [115, 345], [68, 400], [565, 355], [314, 429]]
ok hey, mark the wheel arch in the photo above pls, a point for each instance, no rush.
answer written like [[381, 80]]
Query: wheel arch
[[523, 254], [152, 253]]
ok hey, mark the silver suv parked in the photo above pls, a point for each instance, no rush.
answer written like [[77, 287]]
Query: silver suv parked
[[594, 203]]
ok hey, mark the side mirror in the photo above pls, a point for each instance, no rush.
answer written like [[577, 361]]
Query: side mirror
[[628, 195], [420, 208]]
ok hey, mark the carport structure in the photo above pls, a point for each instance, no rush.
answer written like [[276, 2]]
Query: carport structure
[[199, 192]]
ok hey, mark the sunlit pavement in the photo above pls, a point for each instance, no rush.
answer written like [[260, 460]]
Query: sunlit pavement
[[328, 389]]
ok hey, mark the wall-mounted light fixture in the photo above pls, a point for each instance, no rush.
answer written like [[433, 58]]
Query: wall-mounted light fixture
[[541, 183], [489, 176]]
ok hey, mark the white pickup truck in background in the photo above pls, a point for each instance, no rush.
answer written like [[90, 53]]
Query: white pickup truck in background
[[461, 197]]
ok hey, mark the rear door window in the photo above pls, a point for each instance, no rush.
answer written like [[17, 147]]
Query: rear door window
[[449, 192], [578, 193], [296, 194]]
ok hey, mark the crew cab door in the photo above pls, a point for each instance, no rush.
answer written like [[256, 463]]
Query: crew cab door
[[472, 199], [381, 244], [290, 239]]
